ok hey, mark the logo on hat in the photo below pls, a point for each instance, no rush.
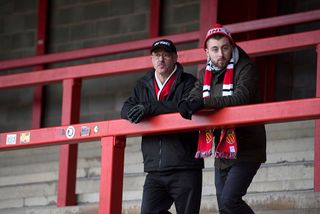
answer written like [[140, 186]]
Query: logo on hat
[[218, 29], [165, 44], [213, 31]]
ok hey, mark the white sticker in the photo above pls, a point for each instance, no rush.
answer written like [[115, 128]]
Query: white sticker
[[85, 131], [232, 149], [70, 132], [11, 139], [96, 129]]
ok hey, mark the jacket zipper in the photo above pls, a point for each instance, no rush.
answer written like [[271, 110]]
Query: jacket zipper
[[160, 142]]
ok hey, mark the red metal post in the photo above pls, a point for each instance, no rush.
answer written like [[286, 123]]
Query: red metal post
[[317, 131], [155, 18], [69, 153], [111, 178], [208, 16], [40, 50]]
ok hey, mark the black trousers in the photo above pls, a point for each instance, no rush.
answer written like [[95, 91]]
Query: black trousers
[[181, 187], [232, 184]]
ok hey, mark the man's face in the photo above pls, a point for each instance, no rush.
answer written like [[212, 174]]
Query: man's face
[[163, 61], [219, 51]]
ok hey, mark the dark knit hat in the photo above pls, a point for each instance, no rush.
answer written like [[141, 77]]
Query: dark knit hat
[[218, 29], [165, 44]]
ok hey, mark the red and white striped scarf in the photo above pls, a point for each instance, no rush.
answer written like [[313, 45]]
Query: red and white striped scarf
[[227, 146], [162, 90]]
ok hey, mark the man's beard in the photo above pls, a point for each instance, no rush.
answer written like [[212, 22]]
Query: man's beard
[[221, 63]]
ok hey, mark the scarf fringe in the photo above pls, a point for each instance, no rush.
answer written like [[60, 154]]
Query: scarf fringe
[[225, 155], [203, 154]]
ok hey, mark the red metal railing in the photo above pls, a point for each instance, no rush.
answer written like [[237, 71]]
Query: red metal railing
[[257, 47], [145, 43], [112, 133]]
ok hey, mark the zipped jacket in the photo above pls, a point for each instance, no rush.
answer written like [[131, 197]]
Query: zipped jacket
[[165, 152]]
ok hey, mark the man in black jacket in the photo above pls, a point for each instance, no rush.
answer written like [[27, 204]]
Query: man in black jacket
[[174, 175], [229, 79]]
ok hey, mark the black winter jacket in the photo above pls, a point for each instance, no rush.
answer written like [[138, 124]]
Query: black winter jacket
[[166, 151], [251, 139]]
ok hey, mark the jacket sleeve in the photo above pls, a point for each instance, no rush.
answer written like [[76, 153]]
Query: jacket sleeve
[[130, 102], [244, 91]]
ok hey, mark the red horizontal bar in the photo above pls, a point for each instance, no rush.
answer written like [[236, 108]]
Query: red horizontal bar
[[97, 51], [280, 44], [303, 109], [273, 112], [193, 56], [52, 136], [145, 43], [278, 21]]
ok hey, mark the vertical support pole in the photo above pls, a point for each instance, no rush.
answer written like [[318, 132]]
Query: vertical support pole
[[208, 17], [111, 178], [40, 50], [317, 131], [266, 64], [69, 153], [155, 18]]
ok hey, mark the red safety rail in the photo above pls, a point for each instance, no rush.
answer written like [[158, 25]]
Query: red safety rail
[[260, 24], [259, 47], [112, 133]]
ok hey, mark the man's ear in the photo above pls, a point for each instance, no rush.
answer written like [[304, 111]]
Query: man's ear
[[207, 53]]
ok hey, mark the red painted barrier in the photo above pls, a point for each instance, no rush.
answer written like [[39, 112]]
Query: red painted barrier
[[112, 135], [272, 22]]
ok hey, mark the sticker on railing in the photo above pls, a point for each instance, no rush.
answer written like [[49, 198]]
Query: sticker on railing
[[85, 131], [11, 139], [96, 129], [25, 137], [70, 132]]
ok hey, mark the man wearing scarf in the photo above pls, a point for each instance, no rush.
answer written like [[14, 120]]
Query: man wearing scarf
[[174, 175], [229, 79]]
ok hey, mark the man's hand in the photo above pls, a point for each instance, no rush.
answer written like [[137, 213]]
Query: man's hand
[[196, 104], [184, 109], [136, 113], [187, 107]]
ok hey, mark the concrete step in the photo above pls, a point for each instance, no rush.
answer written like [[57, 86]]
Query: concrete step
[[51, 153], [33, 192], [278, 131], [278, 151], [290, 130], [268, 173], [273, 202], [293, 202]]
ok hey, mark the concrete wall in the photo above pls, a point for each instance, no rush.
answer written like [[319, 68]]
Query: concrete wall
[[75, 24]]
